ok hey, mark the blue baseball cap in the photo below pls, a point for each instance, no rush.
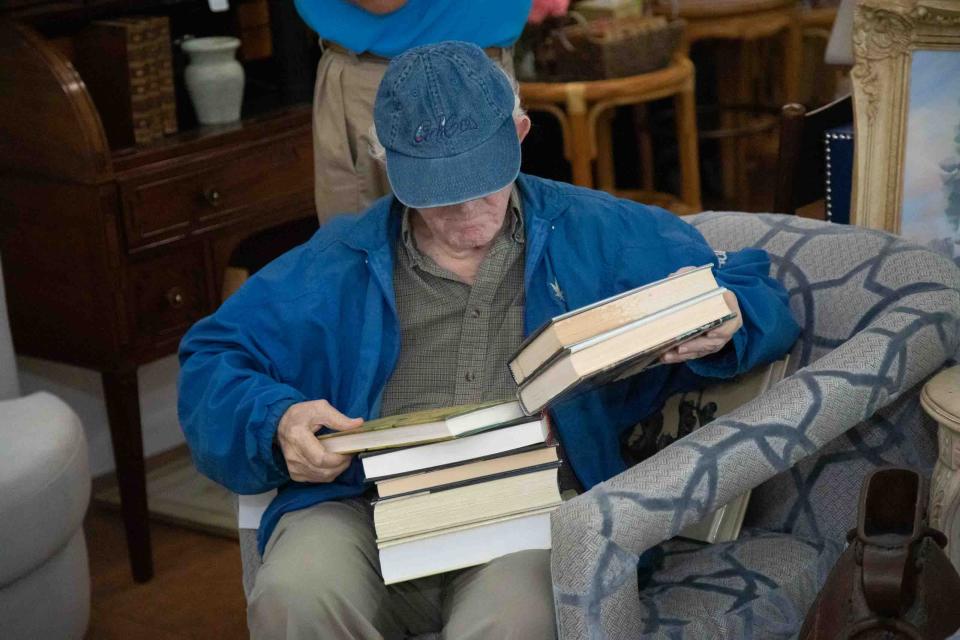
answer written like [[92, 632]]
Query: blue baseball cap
[[444, 115]]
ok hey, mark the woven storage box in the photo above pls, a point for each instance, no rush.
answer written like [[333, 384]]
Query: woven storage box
[[608, 48]]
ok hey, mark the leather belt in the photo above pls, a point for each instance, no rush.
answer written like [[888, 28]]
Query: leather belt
[[328, 45]]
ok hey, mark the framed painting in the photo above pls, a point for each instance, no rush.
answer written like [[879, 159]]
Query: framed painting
[[906, 83]]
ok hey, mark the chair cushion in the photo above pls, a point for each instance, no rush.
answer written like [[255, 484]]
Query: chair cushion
[[758, 586], [44, 481]]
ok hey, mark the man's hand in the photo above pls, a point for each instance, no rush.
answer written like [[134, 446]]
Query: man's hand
[[307, 458], [710, 342]]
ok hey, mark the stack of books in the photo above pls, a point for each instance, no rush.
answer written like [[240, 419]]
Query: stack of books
[[127, 66], [456, 486], [617, 337]]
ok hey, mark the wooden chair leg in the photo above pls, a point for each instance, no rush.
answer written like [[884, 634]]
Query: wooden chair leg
[[746, 95], [792, 60], [605, 171], [641, 123], [729, 62], [688, 147]]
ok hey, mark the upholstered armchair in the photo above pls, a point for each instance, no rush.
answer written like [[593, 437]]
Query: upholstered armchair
[[879, 317]]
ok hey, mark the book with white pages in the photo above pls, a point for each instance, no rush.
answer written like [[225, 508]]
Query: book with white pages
[[579, 324], [488, 468], [385, 464], [431, 511], [466, 546], [623, 351], [424, 426]]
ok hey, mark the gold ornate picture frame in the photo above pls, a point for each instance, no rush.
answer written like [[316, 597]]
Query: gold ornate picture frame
[[906, 62]]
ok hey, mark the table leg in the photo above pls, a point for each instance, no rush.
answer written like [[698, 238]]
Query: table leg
[[123, 412]]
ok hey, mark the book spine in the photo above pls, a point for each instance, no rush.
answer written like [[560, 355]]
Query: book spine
[[164, 58], [143, 97], [152, 46], [472, 481]]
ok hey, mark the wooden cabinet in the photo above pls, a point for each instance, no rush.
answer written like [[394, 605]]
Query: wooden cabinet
[[110, 256]]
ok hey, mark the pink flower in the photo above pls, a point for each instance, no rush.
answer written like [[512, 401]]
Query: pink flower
[[542, 9]]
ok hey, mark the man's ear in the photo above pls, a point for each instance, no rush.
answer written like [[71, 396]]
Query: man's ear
[[523, 126]]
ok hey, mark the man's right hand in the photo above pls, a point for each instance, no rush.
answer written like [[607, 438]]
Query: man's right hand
[[307, 459]]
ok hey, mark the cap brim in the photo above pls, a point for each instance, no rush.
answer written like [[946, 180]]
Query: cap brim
[[478, 172]]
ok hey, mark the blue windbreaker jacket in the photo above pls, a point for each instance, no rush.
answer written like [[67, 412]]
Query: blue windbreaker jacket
[[321, 322]]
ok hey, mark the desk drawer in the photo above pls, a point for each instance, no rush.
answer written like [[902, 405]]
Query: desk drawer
[[167, 295], [179, 201]]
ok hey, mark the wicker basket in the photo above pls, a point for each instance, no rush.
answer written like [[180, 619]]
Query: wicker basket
[[608, 48]]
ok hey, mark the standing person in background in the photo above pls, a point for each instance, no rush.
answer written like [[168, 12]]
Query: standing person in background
[[358, 38]]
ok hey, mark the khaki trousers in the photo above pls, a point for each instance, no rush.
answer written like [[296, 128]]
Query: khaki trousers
[[347, 178], [321, 579]]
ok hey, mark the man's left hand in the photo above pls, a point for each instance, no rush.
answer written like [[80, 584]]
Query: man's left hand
[[710, 342]]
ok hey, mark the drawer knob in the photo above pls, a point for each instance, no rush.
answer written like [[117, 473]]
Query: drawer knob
[[175, 297], [212, 197]]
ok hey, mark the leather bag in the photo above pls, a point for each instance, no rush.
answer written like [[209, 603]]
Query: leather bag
[[893, 581]]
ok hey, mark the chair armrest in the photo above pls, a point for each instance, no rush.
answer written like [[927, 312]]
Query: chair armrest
[[598, 536], [250, 510]]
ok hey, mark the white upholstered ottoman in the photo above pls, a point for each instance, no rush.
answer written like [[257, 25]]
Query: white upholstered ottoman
[[44, 493]]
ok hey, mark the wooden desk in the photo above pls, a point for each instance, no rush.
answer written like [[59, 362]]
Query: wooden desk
[[110, 257], [584, 110]]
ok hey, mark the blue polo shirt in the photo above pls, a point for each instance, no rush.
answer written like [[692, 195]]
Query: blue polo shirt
[[486, 23]]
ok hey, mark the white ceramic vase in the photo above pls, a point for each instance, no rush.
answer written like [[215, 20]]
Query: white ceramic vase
[[214, 78]]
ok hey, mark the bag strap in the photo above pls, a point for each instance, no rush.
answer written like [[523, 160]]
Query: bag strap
[[888, 579]]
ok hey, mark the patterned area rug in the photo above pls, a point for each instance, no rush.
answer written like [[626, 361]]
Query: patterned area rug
[[178, 494]]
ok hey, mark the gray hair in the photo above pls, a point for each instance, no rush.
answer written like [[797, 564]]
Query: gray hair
[[378, 153]]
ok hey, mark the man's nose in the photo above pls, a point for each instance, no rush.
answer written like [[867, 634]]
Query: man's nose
[[469, 206]]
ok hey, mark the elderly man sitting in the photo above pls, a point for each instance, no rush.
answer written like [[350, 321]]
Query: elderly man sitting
[[419, 302]]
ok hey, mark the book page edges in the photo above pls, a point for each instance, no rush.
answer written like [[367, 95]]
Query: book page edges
[[574, 312]]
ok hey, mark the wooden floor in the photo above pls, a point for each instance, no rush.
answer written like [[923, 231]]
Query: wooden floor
[[196, 591]]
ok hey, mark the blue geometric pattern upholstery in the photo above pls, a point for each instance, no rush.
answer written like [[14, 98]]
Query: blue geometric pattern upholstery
[[758, 586], [879, 317]]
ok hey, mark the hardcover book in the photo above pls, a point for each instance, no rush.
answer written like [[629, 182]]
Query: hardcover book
[[116, 60], [623, 351], [421, 427], [472, 471], [433, 511], [577, 325], [386, 464], [460, 547]]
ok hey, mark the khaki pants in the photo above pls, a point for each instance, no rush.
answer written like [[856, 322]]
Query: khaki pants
[[347, 178], [321, 579]]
